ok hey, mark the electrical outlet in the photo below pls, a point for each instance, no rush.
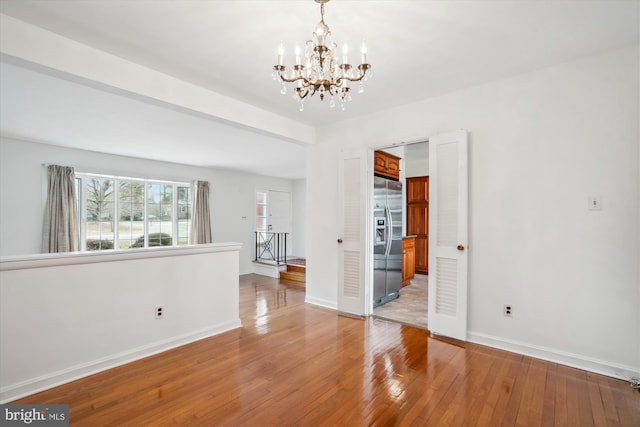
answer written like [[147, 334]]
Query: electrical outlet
[[595, 203], [507, 310], [159, 312]]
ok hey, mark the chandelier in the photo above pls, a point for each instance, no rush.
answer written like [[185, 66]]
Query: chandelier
[[321, 71]]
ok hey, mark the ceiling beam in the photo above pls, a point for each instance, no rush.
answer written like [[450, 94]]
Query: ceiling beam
[[48, 52]]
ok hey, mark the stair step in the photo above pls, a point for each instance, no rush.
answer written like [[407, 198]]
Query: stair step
[[296, 276], [297, 268]]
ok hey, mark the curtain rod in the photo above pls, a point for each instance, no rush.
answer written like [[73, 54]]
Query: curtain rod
[[127, 178]]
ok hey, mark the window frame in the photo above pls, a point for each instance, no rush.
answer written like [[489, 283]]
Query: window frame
[[265, 211], [81, 197]]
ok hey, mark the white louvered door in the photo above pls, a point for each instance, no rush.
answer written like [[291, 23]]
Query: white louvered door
[[351, 225], [448, 233]]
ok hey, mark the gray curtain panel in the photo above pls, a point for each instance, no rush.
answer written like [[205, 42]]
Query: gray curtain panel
[[60, 231], [201, 225]]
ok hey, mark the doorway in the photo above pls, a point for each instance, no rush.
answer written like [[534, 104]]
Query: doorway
[[279, 209], [448, 233], [411, 306], [273, 225]]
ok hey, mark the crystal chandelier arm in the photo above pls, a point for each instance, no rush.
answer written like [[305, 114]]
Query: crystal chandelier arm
[[351, 79], [363, 71], [305, 80], [280, 70]]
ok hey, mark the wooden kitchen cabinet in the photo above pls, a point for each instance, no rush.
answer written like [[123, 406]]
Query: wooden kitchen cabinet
[[408, 260], [386, 165]]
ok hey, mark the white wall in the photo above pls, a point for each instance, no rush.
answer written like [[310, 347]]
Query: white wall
[[22, 202], [540, 144], [416, 159], [95, 311], [299, 233]]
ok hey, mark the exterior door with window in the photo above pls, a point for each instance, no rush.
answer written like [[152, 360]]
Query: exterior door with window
[[448, 229], [273, 224], [280, 215], [279, 211]]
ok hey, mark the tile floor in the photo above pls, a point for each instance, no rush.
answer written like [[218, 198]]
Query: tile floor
[[411, 307]]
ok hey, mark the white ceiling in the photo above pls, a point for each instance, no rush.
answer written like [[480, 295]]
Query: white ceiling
[[418, 49]]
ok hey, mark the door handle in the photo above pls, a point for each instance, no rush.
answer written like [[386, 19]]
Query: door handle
[[339, 240], [460, 247], [389, 229]]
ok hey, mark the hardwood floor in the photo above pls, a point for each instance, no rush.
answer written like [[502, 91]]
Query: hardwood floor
[[295, 364]]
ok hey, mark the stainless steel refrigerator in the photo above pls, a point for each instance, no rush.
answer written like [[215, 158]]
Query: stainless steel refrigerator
[[387, 241]]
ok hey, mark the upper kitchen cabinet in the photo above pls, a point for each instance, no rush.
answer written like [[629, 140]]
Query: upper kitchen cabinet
[[386, 165]]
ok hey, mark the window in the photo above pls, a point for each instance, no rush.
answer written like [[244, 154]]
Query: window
[[261, 211], [130, 214], [99, 226], [123, 213]]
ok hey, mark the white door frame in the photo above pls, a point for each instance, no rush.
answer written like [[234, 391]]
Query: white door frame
[[369, 227]]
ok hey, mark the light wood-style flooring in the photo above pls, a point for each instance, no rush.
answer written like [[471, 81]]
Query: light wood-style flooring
[[295, 364], [411, 307]]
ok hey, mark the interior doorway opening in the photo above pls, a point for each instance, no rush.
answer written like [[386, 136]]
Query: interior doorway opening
[[447, 236], [411, 306]]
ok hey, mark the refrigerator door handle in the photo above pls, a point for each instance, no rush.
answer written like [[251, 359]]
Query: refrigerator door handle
[[389, 230]]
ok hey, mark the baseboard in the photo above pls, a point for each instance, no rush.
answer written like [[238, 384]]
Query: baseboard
[[44, 382], [321, 302], [597, 366]]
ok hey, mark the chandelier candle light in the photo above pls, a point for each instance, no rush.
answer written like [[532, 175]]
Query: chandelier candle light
[[321, 72]]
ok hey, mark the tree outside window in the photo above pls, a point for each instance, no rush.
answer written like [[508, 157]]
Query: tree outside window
[[131, 226], [99, 214]]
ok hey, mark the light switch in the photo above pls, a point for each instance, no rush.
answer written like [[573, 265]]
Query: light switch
[[595, 203]]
